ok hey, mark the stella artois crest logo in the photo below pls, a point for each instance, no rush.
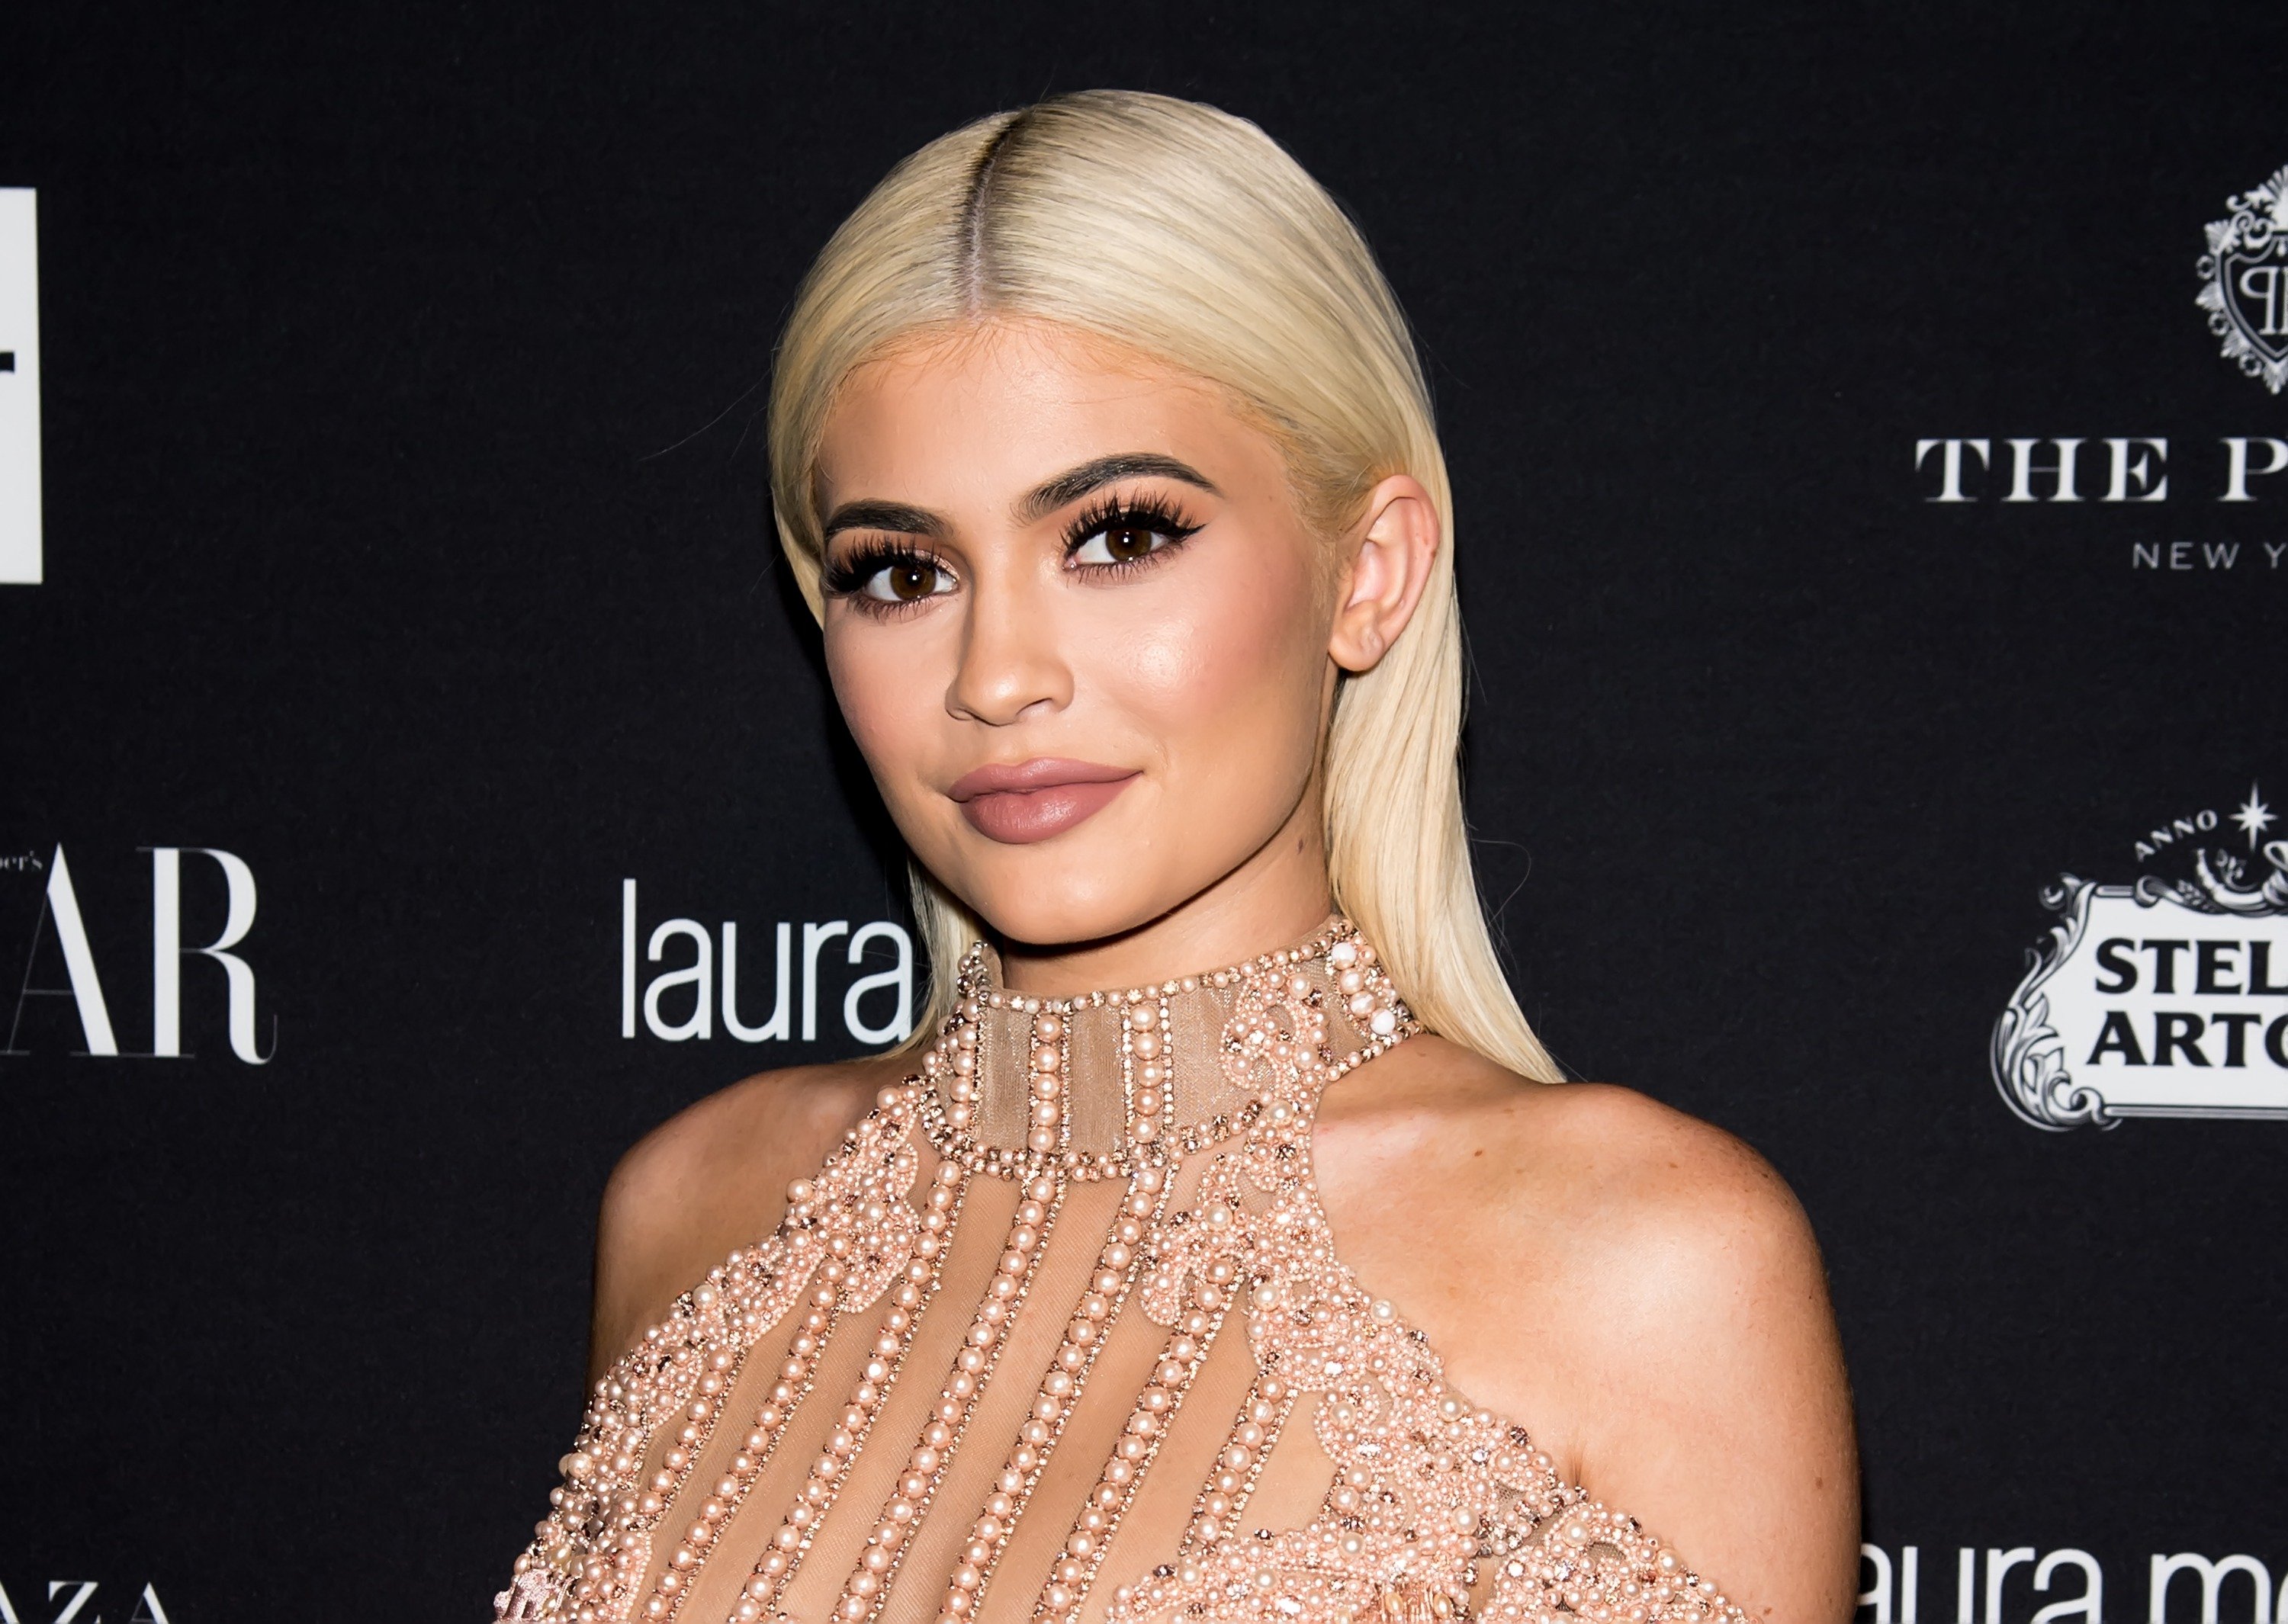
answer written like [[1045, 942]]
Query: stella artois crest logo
[[2245, 281], [2164, 995]]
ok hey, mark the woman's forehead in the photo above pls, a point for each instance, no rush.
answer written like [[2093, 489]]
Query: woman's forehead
[[1028, 356], [997, 403]]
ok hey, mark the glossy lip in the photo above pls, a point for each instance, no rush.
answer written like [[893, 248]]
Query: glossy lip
[[1032, 800]]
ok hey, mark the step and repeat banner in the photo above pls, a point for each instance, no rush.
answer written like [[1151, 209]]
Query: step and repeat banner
[[417, 779]]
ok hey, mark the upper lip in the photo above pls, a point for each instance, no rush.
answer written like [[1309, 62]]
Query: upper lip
[[1039, 773]]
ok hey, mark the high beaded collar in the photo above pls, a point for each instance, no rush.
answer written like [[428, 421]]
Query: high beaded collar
[[1089, 1086]]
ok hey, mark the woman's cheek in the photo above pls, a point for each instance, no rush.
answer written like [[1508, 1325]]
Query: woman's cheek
[[847, 676], [1229, 661], [883, 705], [1167, 670], [1207, 636]]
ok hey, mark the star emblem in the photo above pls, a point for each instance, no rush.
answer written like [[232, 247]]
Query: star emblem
[[2253, 816]]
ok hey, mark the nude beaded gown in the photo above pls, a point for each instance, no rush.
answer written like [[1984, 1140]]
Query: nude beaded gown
[[1060, 1334]]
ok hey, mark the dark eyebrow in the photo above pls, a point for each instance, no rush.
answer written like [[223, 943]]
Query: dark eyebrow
[[1075, 483], [898, 518]]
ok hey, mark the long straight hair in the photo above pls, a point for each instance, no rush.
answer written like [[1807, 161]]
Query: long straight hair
[[1181, 232]]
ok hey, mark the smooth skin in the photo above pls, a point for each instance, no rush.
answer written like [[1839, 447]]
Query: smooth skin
[[1639, 1288]]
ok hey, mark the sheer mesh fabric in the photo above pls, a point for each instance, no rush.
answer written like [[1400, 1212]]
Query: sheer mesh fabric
[[1149, 1429]]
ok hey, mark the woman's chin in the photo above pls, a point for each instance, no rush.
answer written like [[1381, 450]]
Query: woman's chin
[[1046, 904], [1042, 921]]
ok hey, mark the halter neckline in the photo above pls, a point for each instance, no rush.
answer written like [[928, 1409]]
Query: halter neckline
[[1094, 1085]]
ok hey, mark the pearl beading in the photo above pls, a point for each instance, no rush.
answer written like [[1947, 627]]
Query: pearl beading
[[867, 1586], [1060, 1391], [792, 1540], [797, 1374], [1239, 1465], [1425, 1485], [1436, 1510], [592, 1550], [951, 1065], [1090, 1538]]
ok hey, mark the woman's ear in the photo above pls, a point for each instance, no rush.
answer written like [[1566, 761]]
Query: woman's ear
[[1396, 544]]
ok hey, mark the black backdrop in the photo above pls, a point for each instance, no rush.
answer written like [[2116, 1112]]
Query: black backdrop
[[405, 538]]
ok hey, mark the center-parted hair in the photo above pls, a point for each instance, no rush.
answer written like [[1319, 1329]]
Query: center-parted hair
[[1178, 230]]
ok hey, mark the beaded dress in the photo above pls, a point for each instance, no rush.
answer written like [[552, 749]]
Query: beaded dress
[[1058, 1333]]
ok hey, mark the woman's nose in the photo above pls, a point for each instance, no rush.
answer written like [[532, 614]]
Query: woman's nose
[[1011, 663]]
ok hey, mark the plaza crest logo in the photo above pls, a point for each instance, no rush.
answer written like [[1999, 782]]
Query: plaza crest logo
[[2244, 280], [2163, 997]]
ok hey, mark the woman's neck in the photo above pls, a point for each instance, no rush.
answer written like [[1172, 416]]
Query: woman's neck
[[1087, 1082]]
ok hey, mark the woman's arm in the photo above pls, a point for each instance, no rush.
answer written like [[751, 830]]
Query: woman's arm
[[1638, 1289], [709, 1180]]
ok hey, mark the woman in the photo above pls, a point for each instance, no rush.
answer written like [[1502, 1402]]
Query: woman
[[1102, 453]]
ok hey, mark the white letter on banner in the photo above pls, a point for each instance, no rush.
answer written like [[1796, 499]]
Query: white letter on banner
[[2022, 470], [813, 938], [1998, 1563], [1951, 465], [901, 977], [627, 958], [2237, 468], [2135, 481], [1878, 1595], [780, 1012], [699, 975], [2212, 1577], [167, 951], [2090, 1605], [79, 961], [20, 563]]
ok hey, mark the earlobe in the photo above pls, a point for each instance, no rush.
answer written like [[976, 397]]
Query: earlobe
[[1396, 548]]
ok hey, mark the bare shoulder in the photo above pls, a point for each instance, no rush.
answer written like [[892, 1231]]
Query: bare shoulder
[[711, 1179], [1574, 1178], [1639, 1288]]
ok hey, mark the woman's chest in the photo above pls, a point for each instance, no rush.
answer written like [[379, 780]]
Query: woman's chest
[[982, 1397]]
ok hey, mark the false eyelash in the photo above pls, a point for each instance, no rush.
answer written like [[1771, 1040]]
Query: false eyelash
[[1145, 512], [867, 559]]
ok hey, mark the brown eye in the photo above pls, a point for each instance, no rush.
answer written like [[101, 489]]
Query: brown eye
[[1123, 541], [908, 580], [1127, 541]]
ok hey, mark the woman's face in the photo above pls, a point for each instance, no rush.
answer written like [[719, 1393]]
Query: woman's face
[[1078, 629]]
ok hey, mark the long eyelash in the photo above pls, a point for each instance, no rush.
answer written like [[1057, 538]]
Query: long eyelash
[[867, 559], [847, 576], [1142, 512]]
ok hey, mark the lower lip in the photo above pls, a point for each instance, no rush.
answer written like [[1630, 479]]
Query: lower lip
[[1018, 817]]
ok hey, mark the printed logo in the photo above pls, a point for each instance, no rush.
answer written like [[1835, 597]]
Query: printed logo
[[20, 389], [2012, 1582], [60, 967], [2167, 996], [81, 1601], [681, 1002], [2169, 497], [2244, 280]]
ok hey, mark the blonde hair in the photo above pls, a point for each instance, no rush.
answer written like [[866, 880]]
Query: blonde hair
[[1186, 234]]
